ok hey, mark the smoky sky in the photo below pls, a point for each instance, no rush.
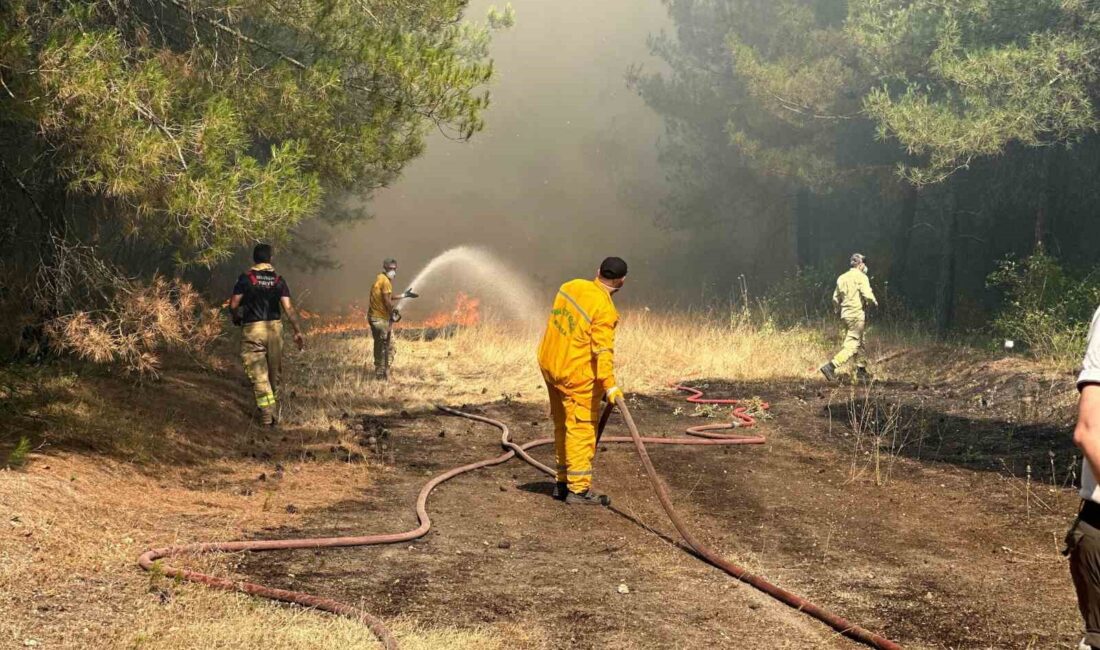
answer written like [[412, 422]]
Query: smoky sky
[[564, 173]]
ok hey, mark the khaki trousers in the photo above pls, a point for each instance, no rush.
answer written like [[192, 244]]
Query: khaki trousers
[[262, 354], [383, 346], [852, 348]]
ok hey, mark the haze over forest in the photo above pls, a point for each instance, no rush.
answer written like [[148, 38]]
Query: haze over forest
[[564, 173]]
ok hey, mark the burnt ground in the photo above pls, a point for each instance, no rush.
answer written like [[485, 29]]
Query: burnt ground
[[952, 545]]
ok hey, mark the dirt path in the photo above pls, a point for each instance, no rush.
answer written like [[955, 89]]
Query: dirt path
[[943, 554]]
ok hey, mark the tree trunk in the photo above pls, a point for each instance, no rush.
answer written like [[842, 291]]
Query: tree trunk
[[794, 236], [945, 288], [903, 237], [1052, 184], [805, 235]]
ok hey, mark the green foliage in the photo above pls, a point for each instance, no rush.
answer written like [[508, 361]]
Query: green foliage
[[502, 18], [800, 131], [205, 125], [1045, 308], [964, 80], [157, 137], [18, 456], [804, 296]]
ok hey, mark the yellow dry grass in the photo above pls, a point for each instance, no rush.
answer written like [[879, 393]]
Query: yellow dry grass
[[496, 360]]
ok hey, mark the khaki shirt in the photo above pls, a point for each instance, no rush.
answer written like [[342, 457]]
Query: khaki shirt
[[852, 293]]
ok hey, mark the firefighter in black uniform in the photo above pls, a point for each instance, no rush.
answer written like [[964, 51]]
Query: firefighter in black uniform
[[259, 299]]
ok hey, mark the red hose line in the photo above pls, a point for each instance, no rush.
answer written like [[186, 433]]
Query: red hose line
[[150, 560], [838, 623]]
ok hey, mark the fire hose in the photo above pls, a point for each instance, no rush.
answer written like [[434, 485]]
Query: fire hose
[[704, 435]]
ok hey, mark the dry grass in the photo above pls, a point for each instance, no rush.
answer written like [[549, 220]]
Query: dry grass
[[492, 361]]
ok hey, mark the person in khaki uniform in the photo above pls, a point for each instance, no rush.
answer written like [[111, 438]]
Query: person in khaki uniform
[[577, 359], [380, 317], [259, 299], [852, 294]]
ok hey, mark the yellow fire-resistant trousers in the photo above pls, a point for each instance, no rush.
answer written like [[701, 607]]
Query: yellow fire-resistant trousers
[[262, 353], [852, 348], [575, 417]]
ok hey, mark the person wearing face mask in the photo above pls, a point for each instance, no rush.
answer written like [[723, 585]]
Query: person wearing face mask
[[852, 294], [577, 359], [381, 311]]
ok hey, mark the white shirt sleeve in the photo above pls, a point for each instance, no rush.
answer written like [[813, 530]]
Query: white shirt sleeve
[[1090, 367]]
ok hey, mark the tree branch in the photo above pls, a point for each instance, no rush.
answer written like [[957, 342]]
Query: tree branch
[[238, 34]]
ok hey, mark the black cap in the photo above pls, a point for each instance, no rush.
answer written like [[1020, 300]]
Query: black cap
[[388, 262], [613, 268]]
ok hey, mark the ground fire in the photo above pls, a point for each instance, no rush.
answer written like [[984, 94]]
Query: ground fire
[[465, 313]]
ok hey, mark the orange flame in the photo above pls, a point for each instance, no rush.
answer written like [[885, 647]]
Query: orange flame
[[353, 320], [467, 312]]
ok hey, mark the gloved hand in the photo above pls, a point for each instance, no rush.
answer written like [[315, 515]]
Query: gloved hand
[[300, 341], [237, 319], [613, 394], [395, 316]]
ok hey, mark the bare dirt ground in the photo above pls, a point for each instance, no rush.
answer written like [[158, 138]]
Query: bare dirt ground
[[948, 550]]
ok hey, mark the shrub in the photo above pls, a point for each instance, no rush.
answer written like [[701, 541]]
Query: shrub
[[91, 310], [805, 296], [1045, 308], [18, 456]]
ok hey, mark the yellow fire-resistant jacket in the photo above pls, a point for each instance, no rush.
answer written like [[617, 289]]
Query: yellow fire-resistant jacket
[[578, 348], [853, 291]]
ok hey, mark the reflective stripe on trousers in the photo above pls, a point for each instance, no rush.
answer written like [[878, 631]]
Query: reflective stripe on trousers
[[262, 354], [574, 437]]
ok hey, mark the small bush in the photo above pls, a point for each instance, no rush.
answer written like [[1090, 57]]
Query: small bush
[[1045, 308], [88, 308], [804, 297], [18, 456]]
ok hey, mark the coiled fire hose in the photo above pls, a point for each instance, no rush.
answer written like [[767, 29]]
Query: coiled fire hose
[[705, 435]]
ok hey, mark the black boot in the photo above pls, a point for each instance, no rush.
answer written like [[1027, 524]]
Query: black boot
[[560, 490], [829, 370], [587, 498], [863, 375]]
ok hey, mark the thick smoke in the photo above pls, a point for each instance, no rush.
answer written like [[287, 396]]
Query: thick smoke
[[564, 173]]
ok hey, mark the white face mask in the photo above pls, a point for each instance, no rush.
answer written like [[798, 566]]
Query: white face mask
[[391, 274]]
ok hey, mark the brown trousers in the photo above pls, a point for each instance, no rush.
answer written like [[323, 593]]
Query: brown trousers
[[262, 354], [1083, 549]]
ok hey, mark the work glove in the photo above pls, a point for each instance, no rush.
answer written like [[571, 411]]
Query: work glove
[[300, 341], [395, 316], [613, 394], [237, 319]]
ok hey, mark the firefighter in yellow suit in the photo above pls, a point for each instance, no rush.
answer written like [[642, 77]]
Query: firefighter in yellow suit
[[576, 357], [852, 294]]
